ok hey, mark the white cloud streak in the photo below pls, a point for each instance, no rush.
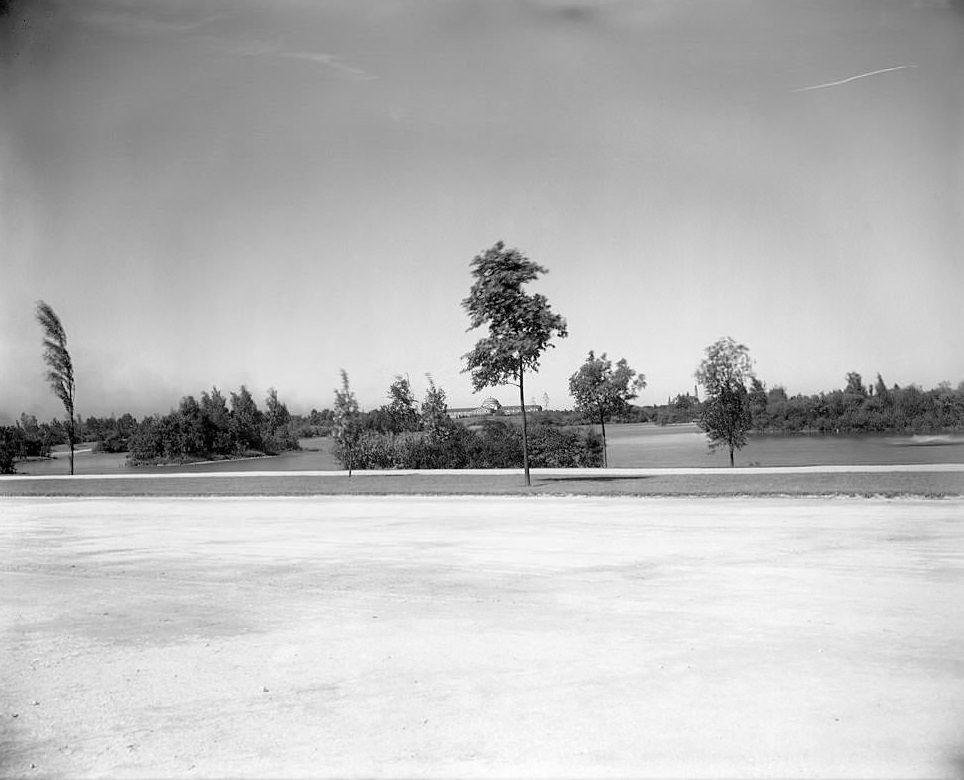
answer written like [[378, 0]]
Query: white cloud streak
[[130, 21], [329, 60], [317, 58], [853, 78]]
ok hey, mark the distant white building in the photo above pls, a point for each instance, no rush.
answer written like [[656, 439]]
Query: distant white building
[[491, 406]]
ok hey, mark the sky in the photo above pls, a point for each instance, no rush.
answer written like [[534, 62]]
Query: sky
[[218, 192]]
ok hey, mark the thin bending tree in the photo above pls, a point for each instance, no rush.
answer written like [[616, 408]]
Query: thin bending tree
[[60, 369], [600, 392], [347, 428], [725, 414], [520, 325]]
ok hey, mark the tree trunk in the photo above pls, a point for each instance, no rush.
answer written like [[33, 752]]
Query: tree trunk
[[602, 422], [731, 456], [70, 441], [525, 430]]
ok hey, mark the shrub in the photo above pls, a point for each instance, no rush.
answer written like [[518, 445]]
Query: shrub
[[494, 444]]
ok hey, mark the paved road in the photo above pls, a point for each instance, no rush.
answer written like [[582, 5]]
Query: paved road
[[486, 637]]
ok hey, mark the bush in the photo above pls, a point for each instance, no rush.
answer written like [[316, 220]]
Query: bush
[[494, 444], [113, 441]]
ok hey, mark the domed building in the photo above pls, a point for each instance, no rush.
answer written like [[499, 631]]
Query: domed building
[[491, 406]]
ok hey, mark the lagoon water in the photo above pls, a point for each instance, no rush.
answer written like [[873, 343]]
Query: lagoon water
[[630, 446], [681, 446]]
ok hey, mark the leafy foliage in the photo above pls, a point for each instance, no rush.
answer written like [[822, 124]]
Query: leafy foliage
[[8, 449], [727, 364], [684, 408], [60, 368], [726, 418], [878, 409], [207, 430], [520, 325], [347, 428], [434, 418], [600, 392], [402, 406], [111, 434], [725, 415], [493, 444]]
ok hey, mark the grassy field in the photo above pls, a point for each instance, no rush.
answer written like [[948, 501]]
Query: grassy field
[[710, 483]]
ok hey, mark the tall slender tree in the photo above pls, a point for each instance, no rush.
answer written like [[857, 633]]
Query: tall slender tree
[[347, 424], [520, 325], [600, 392], [434, 413], [60, 369]]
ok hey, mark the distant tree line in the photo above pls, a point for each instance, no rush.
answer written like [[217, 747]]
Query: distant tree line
[[858, 408]]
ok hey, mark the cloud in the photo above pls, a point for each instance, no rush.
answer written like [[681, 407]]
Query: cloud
[[853, 78], [136, 21], [328, 60]]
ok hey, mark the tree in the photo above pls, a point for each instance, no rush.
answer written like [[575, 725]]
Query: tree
[[277, 435], [520, 325], [880, 389], [725, 415], [216, 421], [758, 404], [434, 414], [189, 427], [402, 408], [855, 385], [276, 412], [60, 373], [347, 423], [246, 421], [600, 392]]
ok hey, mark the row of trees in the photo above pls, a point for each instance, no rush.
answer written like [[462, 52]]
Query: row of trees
[[520, 327], [857, 408]]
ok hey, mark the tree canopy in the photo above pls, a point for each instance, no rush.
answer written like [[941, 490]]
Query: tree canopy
[[726, 364], [520, 325]]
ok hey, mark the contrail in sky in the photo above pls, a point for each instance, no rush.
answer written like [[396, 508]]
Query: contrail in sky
[[854, 78]]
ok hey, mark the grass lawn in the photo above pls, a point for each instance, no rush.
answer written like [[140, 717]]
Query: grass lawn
[[888, 484]]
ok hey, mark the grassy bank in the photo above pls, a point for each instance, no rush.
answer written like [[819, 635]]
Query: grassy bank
[[928, 484]]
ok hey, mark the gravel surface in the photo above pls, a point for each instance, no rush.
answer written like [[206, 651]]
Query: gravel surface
[[481, 637]]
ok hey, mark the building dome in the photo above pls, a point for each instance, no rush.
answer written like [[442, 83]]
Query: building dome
[[491, 405]]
